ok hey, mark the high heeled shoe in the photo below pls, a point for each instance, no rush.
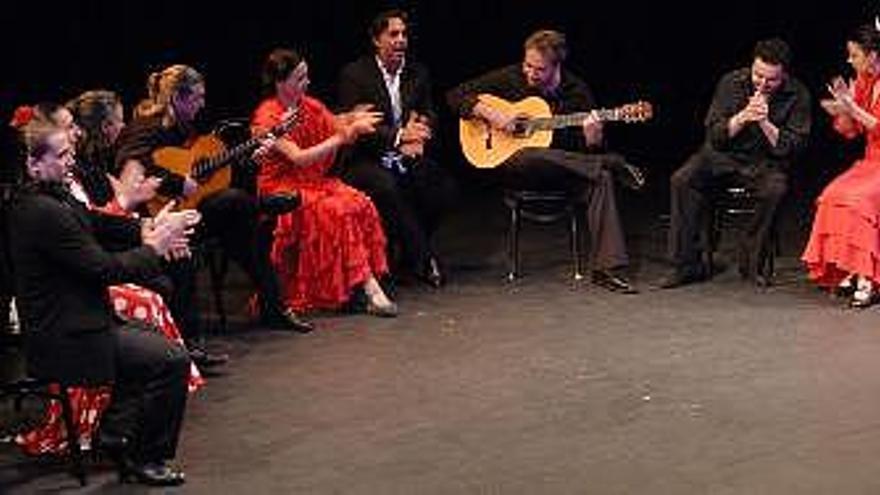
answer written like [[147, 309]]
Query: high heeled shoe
[[864, 294], [383, 311]]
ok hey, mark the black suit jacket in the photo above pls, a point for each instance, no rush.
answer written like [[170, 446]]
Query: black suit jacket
[[62, 274], [361, 81]]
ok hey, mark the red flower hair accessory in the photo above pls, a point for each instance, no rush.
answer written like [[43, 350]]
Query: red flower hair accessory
[[22, 116]]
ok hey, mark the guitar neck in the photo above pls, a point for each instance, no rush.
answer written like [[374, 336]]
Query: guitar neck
[[205, 168], [575, 119]]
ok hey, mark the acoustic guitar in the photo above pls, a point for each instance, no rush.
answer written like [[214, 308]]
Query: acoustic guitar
[[485, 147], [207, 161]]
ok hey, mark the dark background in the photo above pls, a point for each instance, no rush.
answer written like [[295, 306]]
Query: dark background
[[669, 54]]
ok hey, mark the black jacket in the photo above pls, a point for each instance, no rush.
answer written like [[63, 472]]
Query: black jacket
[[61, 275], [361, 81]]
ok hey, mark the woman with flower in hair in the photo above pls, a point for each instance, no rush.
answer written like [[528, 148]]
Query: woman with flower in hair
[[843, 251]]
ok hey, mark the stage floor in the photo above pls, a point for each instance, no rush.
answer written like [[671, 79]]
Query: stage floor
[[540, 386]]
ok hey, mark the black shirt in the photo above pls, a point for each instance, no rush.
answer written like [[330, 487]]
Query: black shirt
[[789, 110], [571, 95]]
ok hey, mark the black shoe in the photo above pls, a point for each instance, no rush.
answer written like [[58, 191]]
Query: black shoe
[[613, 281], [286, 319], [683, 276], [432, 274], [278, 204], [154, 474], [204, 359]]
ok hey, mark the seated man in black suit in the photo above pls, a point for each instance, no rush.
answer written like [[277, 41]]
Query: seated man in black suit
[[61, 275], [392, 165]]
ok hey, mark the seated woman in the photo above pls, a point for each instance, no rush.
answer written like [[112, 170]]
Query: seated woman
[[94, 128], [333, 243], [844, 246]]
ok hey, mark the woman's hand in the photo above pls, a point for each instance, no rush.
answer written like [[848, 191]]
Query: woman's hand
[[132, 188]]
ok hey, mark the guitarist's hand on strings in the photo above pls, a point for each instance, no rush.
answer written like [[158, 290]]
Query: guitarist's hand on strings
[[496, 118]]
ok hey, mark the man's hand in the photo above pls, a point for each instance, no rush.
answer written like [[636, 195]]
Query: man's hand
[[167, 233], [417, 129], [496, 118]]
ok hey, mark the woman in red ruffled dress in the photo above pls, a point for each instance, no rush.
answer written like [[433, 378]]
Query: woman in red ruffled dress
[[843, 252], [333, 244]]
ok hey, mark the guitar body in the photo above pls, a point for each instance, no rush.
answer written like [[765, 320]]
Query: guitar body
[[485, 147], [180, 161]]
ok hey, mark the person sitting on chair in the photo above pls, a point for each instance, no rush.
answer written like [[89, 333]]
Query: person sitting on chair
[[62, 274], [757, 123], [332, 247], [168, 118], [393, 164], [845, 239], [565, 165]]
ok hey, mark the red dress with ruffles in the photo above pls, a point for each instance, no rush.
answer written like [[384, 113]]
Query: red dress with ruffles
[[846, 231], [334, 240]]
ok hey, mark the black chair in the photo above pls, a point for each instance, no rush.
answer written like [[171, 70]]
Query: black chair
[[734, 206], [39, 387], [543, 207]]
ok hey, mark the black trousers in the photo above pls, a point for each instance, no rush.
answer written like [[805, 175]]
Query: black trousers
[[149, 392], [232, 217], [588, 175], [693, 187], [410, 205]]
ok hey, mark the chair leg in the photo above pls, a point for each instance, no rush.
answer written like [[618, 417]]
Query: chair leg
[[218, 265], [72, 435], [576, 243], [513, 243]]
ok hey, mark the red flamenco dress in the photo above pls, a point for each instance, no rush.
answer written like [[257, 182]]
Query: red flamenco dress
[[130, 303], [334, 241], [846, 231]]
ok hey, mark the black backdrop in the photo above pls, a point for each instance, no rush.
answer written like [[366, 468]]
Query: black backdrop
[[668, 53]]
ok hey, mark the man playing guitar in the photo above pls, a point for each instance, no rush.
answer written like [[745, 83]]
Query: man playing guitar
[[564, 165], [166, 119]]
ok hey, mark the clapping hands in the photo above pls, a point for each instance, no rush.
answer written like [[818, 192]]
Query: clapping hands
[[842, 100], [361, 120], [168, 232]]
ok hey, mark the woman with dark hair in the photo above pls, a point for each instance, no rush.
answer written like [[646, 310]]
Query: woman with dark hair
[[99, 115], [333, 243], [844, 246], [168, 118]]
